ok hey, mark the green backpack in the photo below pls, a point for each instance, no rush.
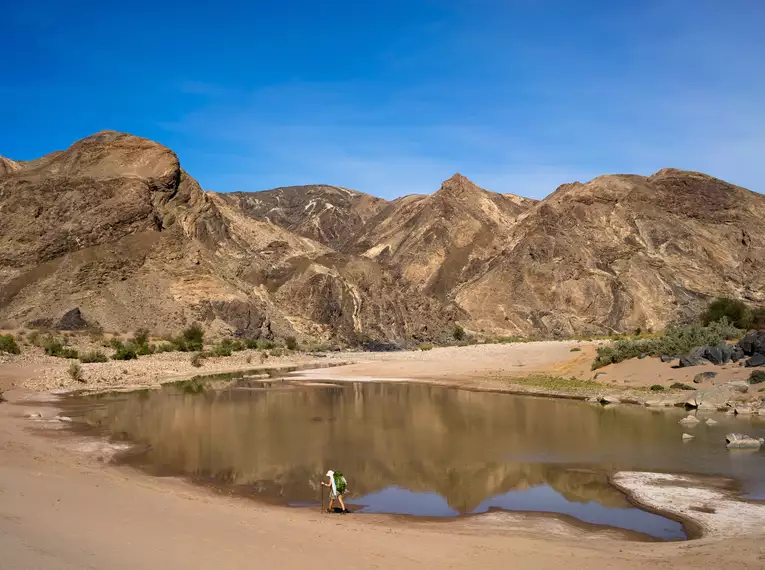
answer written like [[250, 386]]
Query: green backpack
[[340, 483]]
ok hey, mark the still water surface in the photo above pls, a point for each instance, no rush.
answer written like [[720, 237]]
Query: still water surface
[[418, 449]]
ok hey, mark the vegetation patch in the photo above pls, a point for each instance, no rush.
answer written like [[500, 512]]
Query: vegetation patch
[[93, 356], [657, 388], [8, 344], [426, 346], [757, 377], [75, 372], [681, 386], [555, 383], [675, 340]]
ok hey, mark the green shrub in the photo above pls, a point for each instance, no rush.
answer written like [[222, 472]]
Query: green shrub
[[54, 347], [675, 340], [75, 372], [251, 343], [196, 359], [426, 346], [165, 347], [458, 333], [141, 337], [223, 348], [8, 344], [291, 343], [116, 343], [126, 352], [277, 352], [757, 319], [193, 338], [93, 356], [681, 386], [757, 377], [657, 388], [737, 312], [265, 344], [576, 349]]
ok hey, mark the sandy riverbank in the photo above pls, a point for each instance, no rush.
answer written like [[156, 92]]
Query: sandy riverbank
[[61, 508], [490, 366]]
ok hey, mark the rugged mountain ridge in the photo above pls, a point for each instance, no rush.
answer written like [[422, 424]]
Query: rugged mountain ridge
[[115, 227]]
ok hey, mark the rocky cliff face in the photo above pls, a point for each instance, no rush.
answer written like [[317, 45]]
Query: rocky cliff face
[[115, 227]]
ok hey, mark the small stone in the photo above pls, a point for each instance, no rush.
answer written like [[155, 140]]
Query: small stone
[[65, 419], [703, 376], [610, 399], [687, 437], [689, 421], [33, 415], [711, 422]]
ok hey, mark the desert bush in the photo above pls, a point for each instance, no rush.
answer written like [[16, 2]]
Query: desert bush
[[75, 372], [54, 347], [193, 337], [116, 343], [277, 352], [757, 319], [93, 356], [223, 348], [8, 344], [165, 347], [737, 312], [34, 338], [458, 333], [265, 344], [291, 343], [757, 377], [197, 359], [141, 337], [657, 388], [125, 352], [675, 340], [681, 386], [575, 349], [426, 346]]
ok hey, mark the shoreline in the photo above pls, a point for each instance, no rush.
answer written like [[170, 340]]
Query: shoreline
[[636, 494]]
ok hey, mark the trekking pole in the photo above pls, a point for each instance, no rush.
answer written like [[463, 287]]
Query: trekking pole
[[321, 492]]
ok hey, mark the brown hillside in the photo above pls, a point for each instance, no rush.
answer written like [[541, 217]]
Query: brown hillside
[[115, 227]]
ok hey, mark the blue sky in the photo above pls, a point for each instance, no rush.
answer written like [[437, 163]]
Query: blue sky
[[393, 97]]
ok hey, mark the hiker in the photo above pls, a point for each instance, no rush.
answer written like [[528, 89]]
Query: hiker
[[336, 486]]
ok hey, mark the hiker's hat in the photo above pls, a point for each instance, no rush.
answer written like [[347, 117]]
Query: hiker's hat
[[330, 473]]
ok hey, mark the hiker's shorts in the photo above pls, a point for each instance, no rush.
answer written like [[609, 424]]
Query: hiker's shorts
[[332, 494]]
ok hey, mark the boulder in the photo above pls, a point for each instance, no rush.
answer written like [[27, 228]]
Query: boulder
[[737, 353], [667, 358], [687, 437], [711, 422], [726, 350], [689, 421], [756, 360], [753, 343], [741, 441], [714, 355], [703, 377], [743, 410], [688, 361], [741, 386]]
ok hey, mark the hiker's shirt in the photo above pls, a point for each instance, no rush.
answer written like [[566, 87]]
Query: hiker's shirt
[[334, 487]]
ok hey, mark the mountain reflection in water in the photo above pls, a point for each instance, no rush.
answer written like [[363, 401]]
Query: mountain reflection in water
[[467, 447]]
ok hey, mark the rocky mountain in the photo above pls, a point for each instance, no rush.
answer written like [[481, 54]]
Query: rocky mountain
[[115, 227], [327, 214]]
